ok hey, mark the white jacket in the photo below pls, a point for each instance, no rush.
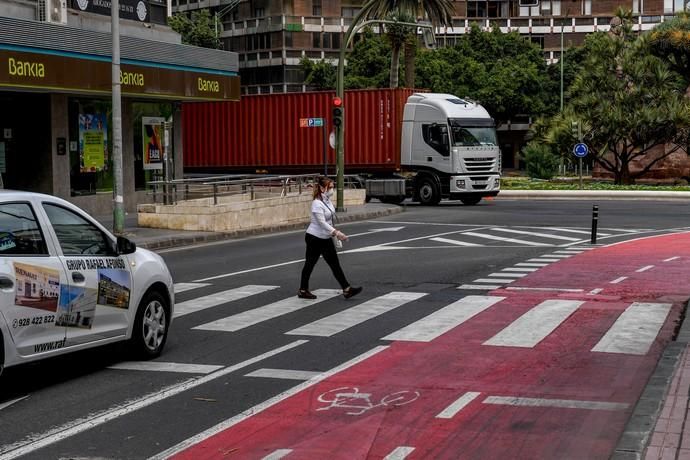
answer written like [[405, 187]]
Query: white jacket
[[322, 212]]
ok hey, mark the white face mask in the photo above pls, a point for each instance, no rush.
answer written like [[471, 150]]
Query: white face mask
[[329, 192]]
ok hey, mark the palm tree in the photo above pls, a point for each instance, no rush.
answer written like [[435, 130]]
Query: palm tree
[[439, 13], [398, 35]]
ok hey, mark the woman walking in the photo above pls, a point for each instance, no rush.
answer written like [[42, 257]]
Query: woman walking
[[319, 238]]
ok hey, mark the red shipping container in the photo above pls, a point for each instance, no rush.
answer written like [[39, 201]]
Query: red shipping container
[[262, 133]]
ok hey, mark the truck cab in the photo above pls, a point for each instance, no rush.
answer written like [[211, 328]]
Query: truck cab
[[449, 149]]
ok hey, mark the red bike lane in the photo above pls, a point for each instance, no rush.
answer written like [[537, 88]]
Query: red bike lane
[[481, 390]]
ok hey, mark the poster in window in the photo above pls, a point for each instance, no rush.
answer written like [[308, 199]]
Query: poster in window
[[93, 141], [153, 149]]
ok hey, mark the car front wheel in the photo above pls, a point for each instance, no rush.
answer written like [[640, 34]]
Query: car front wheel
[[151, 325]]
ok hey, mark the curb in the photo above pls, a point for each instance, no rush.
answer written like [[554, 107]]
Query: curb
[[598, 194], [179, 241], [638, 430]]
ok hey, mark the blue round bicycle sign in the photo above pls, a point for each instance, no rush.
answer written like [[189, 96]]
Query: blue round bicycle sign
[[580, 150]]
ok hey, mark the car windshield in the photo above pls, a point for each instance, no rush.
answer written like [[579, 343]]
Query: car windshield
[[464, 136]]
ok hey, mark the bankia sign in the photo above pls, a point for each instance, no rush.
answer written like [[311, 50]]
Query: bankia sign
[[136, 10]]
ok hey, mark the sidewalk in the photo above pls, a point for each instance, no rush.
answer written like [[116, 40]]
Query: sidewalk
[[157, 238]]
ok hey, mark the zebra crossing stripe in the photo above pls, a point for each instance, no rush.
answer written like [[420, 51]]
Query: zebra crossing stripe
[[571, 230], [543, 235], [183, 287], [346, 319], [558, 256], [508, 274], [456, 242], [257, 315], [493, 280], [531, 264], [484, 287], [635, 329], [525, 269], [286, 374], [445, 319], [399, 453], [165, 367], [532, 327], [219, 298], [543, 259], [507, 240]]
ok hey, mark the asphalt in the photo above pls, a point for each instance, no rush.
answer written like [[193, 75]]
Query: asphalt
[[659, 427]]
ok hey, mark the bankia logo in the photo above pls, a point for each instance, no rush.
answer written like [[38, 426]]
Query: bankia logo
[[83, 4], [141, 11]]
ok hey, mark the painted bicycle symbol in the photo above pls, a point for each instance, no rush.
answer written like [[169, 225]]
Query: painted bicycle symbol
[[358, 403]]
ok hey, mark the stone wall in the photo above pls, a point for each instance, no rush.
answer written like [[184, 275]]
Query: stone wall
[[234, 213]]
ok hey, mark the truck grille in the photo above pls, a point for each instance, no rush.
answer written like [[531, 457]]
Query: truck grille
[[480, 165]]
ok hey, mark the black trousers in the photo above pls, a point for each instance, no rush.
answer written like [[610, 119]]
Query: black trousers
[[321, 247]]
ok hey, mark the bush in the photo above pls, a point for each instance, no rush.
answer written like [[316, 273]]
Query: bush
[[540, 160]]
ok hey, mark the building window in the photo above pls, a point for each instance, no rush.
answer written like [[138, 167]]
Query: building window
[[316, 8], [673, 6], [349, 11], [316, 40], [335, 40], [477, 9], [537, 39], [259, 12], [288, 39]]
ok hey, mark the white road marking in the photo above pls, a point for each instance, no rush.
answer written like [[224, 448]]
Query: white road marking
[[587, 248], [671, 258], [445, 319], [543, 259], [525, 269], [562, 403], [458, 405], [571, 230], [264, 405], [41, 440], [568, 251], [285, 374], [13, 401], [182, 287], [257, 315], [595, 291], [351, 317], [644, 269], [250, 270], [493, 280], [165, 367], [512, 288], [219, 298], [508, 240], [399, 453], [543, 235], [558, 256], [531, 264], [277, 454], [532, 327], [618, 280], [508, 274], [635, 329], [479, 286], [456, 242]]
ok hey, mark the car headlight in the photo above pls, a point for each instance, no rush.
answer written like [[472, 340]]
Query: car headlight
[[460, 183]]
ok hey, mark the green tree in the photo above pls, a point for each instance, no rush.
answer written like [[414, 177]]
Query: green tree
[[319, 75], [397, 36], [670, 40], [503, 71], [197, 29], [628, 102]]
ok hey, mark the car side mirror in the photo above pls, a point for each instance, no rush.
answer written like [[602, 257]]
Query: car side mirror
[[125, 246]]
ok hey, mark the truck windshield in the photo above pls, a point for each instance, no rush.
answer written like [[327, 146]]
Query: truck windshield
[[472, 135]]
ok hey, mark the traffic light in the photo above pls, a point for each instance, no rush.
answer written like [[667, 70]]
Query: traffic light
[[575, 129], [337, 111]]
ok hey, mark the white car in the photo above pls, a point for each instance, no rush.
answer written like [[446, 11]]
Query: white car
[[67, 284]]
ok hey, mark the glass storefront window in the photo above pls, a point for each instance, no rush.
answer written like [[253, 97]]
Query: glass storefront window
[[91, 166]]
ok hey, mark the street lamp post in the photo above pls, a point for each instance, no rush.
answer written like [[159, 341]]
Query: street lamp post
[[118, 195], [355, 25]]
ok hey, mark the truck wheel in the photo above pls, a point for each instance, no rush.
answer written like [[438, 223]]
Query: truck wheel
[[150, 326], [471, 200], [428, 192]]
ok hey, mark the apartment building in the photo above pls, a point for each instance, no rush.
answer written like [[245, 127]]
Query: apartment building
[[271, 37], [55, 95]]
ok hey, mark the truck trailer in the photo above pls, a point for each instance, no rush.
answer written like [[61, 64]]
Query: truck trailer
[[398, 143]]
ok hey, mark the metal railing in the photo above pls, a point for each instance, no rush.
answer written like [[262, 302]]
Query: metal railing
[[251, 186]]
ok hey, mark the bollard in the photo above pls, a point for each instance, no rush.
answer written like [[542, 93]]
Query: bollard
[[595, 222]]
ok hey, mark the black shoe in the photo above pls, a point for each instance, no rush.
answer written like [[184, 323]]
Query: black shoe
[[351, 291], [305, 294]]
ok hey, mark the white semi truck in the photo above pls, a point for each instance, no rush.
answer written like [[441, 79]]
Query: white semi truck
[[448, 150]]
